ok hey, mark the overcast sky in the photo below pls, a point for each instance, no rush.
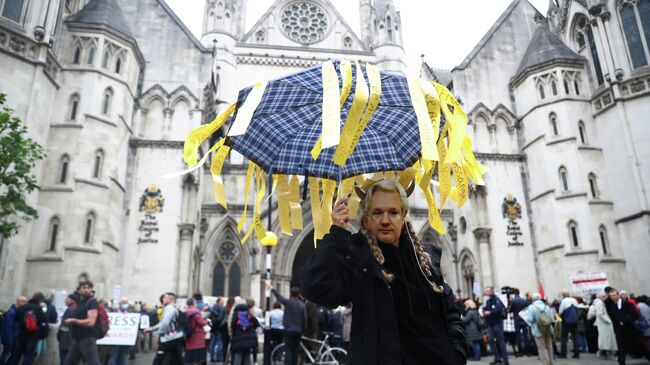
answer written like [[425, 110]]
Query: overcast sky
[[444, 31]]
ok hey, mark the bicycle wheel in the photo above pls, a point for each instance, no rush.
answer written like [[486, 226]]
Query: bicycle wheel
[[333, 356], [278, 354]]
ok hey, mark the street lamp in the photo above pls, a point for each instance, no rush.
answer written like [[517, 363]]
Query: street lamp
[[269, 241]]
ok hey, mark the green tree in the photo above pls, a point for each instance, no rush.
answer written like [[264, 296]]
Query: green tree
[[18, 156]]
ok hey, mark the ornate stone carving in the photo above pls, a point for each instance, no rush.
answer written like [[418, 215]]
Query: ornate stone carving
[[304, 22], [482, 234]]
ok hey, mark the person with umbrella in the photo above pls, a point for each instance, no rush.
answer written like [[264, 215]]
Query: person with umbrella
[[403, 311]]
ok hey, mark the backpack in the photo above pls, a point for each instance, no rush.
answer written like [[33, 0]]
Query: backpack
[[188, 326], [102, 324], [544, 323], [30, 321], [570, 316], [244, 321]]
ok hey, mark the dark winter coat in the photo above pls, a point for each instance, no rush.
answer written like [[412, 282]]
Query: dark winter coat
[[472, 324], [9, 327], [343, 270], [243, 339], [41, 318], [623, 320]]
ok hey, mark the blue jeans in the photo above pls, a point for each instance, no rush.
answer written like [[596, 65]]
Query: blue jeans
[[117, 355], [242, 357], [582, 342], [26, 349], [495, 332], [216, 347], [62, 355], [476, 348]]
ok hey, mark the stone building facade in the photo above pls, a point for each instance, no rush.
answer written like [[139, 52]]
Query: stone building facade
[[112, 87]]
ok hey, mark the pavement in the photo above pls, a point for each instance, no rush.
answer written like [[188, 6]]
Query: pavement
[[585, 359]]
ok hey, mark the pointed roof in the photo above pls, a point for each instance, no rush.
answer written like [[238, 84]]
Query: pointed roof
[[103, 13], [545, 48]]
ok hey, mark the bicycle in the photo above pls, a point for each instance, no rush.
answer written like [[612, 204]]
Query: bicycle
[[326, 354]]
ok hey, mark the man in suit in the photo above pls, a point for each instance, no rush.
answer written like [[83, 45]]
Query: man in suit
[[627, 337]]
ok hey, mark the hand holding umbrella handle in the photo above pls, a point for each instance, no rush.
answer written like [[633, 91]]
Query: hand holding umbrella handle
[[341, 213]]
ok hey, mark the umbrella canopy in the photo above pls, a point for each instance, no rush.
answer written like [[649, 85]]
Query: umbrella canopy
[[333, 123]]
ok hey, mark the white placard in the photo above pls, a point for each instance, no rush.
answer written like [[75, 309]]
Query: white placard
[[144, 321], [117, 292], [123, 329], [588, 284]]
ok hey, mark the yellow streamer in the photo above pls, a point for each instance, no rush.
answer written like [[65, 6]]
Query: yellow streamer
[[457, 122], [432, 100], [331, 117], [461, 183], [294, 198], [434, 215], [215, 169], [260, 187], [444, 173], [355, 114], [427, 140], [199, 134], [283, 205], [249, 177], [246, 111]]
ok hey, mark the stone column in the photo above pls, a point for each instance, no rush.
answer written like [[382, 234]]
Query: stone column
[[183, 276], [485, 252]]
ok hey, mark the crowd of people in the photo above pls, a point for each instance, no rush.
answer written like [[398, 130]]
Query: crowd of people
[[612, 324], [193, 333]]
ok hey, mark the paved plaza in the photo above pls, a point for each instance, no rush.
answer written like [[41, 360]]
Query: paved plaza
[[585, 359]]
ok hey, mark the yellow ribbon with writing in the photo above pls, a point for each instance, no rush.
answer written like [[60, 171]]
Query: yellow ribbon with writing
[[199, 134], [215, 169], [331, 116], [427, 139]]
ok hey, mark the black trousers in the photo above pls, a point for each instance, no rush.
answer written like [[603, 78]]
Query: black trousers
[[292, 348], [172, 350], [573, 330], [85, 349]]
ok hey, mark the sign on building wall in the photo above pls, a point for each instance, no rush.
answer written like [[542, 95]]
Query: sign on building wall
[[123, 330], [588, 284], [151, 202], [512, 212]]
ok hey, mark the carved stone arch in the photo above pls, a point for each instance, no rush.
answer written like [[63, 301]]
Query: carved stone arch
[[182, 93], [156, 92], [218, 249], [469, 272]]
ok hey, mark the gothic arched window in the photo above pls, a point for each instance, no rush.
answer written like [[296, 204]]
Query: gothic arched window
[[105, 59], [13, 9], [593, 186], [106, 101], [63, 169], [98, 164], [573, 234], [542, 94], [118, 65], [583, 132], [74, 107], [53, 234], [76, 59], [553, 119], [389, 29], [554, 88], [584, 32], [635, 19], [604, 240], [218, 280], [91, 56], [564, 179], [90, 226], [234, 280]]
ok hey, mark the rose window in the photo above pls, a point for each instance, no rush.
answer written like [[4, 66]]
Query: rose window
[[304, 22]]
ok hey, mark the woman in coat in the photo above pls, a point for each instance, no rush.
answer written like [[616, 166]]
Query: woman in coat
[[403, 312], [472, 323], [606, 338], [243, 341], [195, 350]]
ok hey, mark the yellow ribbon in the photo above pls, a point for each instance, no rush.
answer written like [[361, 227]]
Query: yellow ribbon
[[354, 116], [246, 111], [260, 187], [215, 169], [294, 203], [433, 218], [283, 205], [461, 183], [199, 134], [249, 177], [346, 77], [427, 139], [331, 117], [457, 122], [444, 173]]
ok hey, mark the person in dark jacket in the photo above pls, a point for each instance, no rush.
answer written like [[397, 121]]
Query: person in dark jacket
[[403, 311], [522, 337], [64, 336], [244, 337], [627, 337], [9, 334], [472, 322], [27, 339], [294, 322], [494, 312]]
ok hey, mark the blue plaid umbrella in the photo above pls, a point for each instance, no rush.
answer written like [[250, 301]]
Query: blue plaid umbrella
[[288, 121]]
